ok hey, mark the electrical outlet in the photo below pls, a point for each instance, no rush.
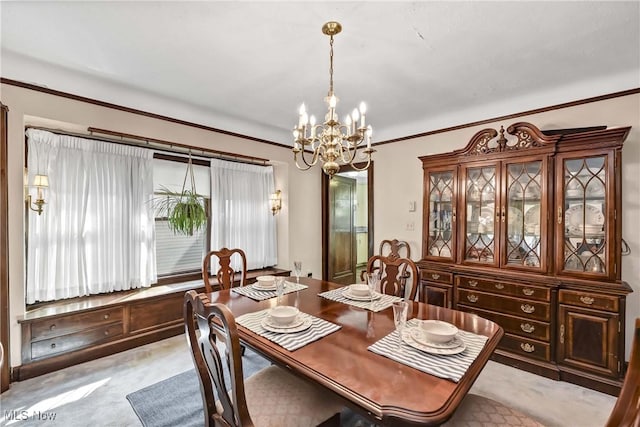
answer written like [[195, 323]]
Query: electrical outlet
[[410, 226]]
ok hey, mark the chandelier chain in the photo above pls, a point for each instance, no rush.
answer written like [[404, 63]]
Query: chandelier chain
[[331, 66]]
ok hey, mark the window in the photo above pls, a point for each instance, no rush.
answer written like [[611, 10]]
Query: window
[[178, 253]]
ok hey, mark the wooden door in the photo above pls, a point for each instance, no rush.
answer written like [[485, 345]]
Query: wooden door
[[342, 235], [588, 339]]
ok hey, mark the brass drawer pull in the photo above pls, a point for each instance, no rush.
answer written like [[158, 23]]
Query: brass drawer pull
[[527, 347], [527, 308], [53, 345], [472, 298], [499, 286], [52, 327], [528, 328], [473, 283], [106, 316], [587, 300], [106, 332], [528, 291], [435, 276]]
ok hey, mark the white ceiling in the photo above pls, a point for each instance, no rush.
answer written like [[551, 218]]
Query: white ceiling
[[246, 66]]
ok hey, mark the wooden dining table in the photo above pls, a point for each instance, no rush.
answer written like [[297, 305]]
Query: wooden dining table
[[383, 390]]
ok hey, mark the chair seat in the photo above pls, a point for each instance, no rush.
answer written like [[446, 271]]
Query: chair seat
[[276, 398], [480, 411]]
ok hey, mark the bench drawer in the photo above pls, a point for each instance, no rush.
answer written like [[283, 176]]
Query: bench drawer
[[63, 325], [75, 341]]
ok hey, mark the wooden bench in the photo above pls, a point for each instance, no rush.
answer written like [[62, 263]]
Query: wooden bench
[[65, 333]]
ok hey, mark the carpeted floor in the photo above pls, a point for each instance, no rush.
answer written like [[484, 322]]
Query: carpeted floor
[[94, 393]]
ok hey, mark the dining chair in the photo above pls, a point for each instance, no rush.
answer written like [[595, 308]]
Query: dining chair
[[225, 274], [390, 248], [476, 410], [396, 274], [230, 400], [626, 411]]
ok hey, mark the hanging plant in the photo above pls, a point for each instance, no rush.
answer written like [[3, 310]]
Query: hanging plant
[[185, 210]]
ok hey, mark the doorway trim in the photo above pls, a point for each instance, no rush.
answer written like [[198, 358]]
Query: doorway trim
[[5, 377], [325, 214]]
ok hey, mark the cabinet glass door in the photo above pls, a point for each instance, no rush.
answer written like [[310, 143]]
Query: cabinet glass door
[[583, 215], [521, 219], [480, 214], [441, 221]]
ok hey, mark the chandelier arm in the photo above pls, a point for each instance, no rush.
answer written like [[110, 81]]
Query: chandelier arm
[[365, 167]]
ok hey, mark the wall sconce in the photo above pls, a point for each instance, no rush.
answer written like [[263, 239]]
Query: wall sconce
[[275, 200], [40, 182]]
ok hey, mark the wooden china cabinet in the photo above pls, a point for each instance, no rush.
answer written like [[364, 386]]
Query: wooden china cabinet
[[525, 229]]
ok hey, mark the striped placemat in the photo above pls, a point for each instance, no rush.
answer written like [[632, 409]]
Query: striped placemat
[[451, 367], [318, 329], [383, 302], [259, 295]]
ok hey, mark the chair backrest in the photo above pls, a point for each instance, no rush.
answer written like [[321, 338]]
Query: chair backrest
[[626, 411], [200, 319], [395, 275], [392, 248], [225, 273]]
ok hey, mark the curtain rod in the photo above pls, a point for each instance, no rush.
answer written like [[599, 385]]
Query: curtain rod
[[213, 153], [184, 149]]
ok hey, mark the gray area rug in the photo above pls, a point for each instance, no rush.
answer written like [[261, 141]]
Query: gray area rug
[[177, 401]]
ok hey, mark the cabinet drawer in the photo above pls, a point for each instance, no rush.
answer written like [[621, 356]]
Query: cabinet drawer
[[72, 323], [436, 276], [523, 327], [506, 288], [75, 341], [589, 300], [526, 347], [152, 314], [504, 304]]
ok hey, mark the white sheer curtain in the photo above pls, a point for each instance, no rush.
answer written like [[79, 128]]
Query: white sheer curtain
[[96, 233], [240, 213]]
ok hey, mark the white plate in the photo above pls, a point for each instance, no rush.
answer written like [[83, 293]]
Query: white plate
[[417, 336], [515, 216], [592, 216], [487, 218], [347, 294], [532, 216], [264, 288], [306, 322], [406, 337]]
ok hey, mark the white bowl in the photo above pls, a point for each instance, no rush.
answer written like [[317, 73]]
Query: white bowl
[[266, 281], [359, 290], [283, 314], [591, 228], [437, 331]]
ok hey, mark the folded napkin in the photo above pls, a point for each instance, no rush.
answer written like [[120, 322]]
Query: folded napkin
[[380, 304], [291, 341], [451, 367], [259, 295]]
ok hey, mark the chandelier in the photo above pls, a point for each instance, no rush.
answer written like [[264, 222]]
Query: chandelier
[[332, 142]]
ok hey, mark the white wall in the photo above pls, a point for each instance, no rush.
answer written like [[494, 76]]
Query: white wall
[[397, 178]]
